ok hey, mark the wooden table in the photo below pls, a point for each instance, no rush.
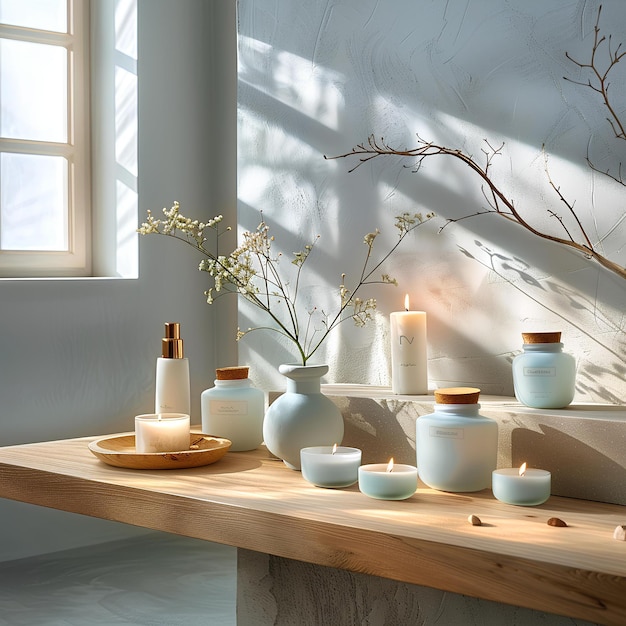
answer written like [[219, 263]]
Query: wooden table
[[254, 502]]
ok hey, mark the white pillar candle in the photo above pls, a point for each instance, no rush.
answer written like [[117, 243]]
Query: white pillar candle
[[521, 486], [409, 364], [330, 466], [164, 432], [388, 481]]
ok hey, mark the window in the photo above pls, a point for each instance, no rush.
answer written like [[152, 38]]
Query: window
[[44, 138]]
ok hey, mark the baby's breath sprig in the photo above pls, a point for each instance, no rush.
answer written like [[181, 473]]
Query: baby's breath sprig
[[252, 271]]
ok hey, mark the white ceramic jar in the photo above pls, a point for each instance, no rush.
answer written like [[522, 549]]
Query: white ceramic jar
[[544, 377], [234, 409], [456, 447]]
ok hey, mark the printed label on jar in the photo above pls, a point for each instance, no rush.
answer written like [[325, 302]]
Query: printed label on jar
[[446, 433], [540, 371], [229, 407]]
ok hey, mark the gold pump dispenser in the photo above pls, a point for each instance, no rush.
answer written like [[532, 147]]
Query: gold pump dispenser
[[172, 344]]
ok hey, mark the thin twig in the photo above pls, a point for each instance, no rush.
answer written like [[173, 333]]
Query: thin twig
[[373, 148]]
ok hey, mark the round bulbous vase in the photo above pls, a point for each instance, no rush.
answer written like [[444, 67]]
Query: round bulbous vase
[[302, 416]]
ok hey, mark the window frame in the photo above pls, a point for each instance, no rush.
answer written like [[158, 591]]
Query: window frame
[[76, 260]]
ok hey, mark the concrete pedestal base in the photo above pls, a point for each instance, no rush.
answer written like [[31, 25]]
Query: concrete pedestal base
[[273, 591]]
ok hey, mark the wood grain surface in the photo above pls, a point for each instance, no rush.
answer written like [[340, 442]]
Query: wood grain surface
[[252, 501]]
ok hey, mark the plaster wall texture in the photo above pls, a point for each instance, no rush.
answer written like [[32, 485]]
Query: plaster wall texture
[[316, 79]]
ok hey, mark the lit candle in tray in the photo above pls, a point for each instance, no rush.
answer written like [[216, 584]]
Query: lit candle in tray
[[524, 487], [388, 481], [162, 432], [330, 466]]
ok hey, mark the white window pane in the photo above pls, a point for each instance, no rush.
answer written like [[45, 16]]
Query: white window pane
[[33, 91], [41, 14], [33, 202]]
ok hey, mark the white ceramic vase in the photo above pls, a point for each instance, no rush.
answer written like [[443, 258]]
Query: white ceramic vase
[[302, 416]]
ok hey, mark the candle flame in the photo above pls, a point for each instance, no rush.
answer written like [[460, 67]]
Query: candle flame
[[406, 302], [390, 465], [522, 469], [334, 448]]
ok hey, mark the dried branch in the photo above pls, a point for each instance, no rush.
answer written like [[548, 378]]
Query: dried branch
[[497, 202], [600, 83], [570, 206], [501, 205]]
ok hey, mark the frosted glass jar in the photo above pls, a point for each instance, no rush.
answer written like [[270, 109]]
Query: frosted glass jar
[[544, 377], [234, 409], [456, 447]]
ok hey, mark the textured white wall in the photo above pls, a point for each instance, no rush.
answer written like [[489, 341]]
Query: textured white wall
[[317, 78]]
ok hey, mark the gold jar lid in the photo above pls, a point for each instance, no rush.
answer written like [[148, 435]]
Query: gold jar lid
[[232, 373], [457, 395], [554, 337]]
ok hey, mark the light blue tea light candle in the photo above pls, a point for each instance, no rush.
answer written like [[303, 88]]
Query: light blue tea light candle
[[330, 466], [523, 487], [387, 481]]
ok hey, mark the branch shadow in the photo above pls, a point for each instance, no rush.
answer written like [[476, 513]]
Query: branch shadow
[[578, 469], [380, 429], [575, 305]]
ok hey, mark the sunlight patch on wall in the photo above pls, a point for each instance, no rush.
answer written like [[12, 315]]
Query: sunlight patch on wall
[[523, 172], [295, 82]]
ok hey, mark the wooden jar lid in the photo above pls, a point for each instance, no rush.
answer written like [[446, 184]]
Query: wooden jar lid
[[232, 373], [457, 395], [542, 337]]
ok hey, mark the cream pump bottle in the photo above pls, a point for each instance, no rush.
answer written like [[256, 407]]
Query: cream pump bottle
[[172, 374]]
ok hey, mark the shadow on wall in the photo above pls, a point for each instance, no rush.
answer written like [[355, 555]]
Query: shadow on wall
[[581, 446], [381, 430], [578, 469], [323, 84], [579, 311]]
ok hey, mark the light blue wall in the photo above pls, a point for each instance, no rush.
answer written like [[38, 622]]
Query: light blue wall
[[317, 78], [77, 357]]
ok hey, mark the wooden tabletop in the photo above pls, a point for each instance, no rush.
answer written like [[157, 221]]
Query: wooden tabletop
[[252, 501]]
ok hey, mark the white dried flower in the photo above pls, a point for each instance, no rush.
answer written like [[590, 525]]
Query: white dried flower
[[369, 238], [252, 270]]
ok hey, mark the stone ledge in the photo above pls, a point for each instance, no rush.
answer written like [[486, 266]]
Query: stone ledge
[[584, 445]]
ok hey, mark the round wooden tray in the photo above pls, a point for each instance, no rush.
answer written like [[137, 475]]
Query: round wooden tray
[[119, 451]]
